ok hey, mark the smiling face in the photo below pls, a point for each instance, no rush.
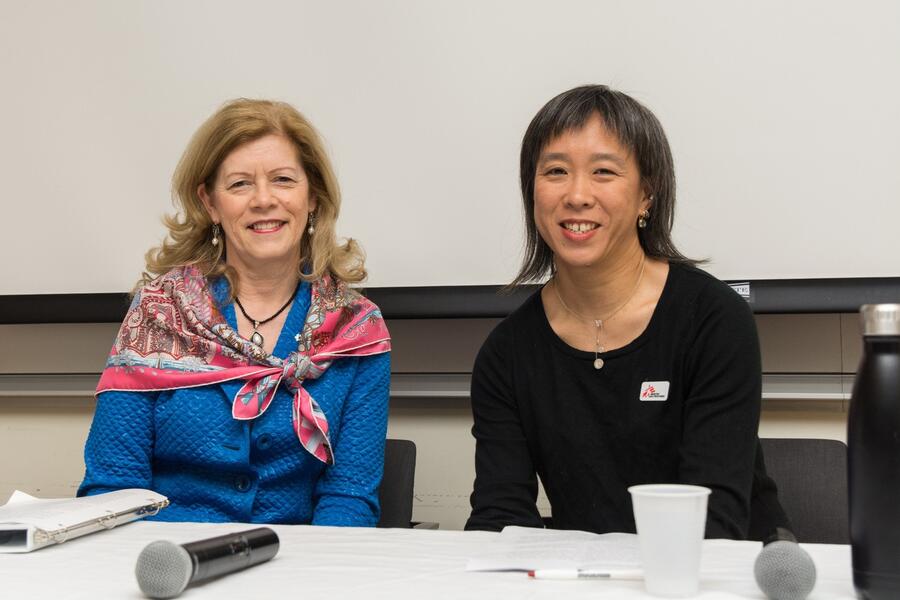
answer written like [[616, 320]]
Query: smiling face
[[260, 197], [587, 197]]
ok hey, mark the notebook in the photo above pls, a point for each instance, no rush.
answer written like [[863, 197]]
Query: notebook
[[28, 523]]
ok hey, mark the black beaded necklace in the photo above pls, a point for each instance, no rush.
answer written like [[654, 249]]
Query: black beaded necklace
[[257, 337]]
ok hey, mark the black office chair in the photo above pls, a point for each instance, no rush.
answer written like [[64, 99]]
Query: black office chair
[[811, 476], [396, 492]]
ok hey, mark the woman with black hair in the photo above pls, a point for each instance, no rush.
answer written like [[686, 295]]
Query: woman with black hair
[[630, 365]]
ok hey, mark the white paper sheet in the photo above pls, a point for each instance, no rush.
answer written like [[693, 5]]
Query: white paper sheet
[[526, 549]]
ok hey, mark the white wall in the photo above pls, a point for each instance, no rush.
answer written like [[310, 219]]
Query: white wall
[[782, 117]]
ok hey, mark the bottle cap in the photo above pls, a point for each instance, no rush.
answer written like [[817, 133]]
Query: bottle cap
[[880, 319]]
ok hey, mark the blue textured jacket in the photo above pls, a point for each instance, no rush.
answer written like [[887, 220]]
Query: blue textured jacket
[[186, 445]]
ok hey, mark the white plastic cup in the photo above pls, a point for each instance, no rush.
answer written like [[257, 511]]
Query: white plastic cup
[[671, 520]]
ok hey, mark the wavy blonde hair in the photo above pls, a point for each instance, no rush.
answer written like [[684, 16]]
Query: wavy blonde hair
[[190, 228]]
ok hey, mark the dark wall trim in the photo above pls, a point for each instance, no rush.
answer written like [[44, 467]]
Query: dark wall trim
[[774, 296], [766, 296]]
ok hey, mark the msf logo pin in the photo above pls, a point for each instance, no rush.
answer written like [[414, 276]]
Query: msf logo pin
[[654, 391]]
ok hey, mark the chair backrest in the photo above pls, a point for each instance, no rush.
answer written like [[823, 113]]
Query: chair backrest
[[396, 492], [811, 476]]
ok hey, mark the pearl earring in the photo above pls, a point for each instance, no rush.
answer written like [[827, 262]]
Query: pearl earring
[[215, 234], [312, 223], [642, 219]]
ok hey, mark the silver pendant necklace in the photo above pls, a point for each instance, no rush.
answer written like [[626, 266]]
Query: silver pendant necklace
[[257, 337], [598, 323]]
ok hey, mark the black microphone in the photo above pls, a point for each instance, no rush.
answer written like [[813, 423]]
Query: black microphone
[[784, 570], [164, 569]]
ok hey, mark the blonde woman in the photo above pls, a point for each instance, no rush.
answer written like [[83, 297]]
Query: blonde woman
[[248, 382]]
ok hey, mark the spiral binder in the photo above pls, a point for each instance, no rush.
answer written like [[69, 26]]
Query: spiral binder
[[28, 523]]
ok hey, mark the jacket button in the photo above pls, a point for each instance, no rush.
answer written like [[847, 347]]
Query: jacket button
[[242, 483], [264, 441]]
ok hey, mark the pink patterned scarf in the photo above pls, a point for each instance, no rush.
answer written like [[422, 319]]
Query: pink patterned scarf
[[174, 336]]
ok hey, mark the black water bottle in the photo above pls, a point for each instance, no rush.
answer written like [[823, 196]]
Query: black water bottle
[[873, 438]]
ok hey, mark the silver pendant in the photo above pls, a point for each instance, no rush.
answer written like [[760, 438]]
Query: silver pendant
[[257, 339], [598, 363]]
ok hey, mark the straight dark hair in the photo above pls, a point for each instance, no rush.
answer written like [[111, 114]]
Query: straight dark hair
[[639, 131]]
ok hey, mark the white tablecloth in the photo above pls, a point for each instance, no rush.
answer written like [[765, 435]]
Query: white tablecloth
[[326, 563]]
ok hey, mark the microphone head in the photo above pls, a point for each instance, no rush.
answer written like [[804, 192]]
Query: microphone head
[[163, 569], [784, 571]]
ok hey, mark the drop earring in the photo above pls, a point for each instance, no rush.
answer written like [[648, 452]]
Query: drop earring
[[642, 219], [312, 223], [215, 234]]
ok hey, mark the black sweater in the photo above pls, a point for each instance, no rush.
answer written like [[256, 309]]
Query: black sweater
[[541, 409]]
